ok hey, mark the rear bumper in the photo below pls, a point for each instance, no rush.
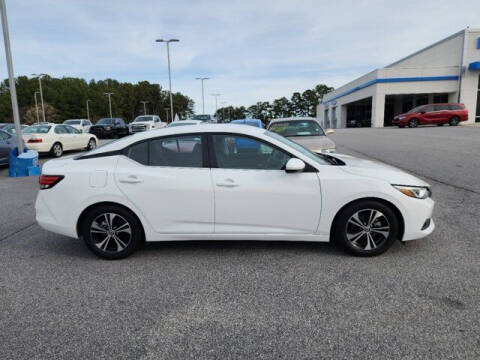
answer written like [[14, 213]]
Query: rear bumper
[[45, 218]]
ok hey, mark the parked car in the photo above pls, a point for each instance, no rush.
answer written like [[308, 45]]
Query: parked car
[[429, 114], [185, 122], [110, 128], [8, 141], [10, 128], [251, 122], [304, 131], [187, 183], [80, 124], [203, 117], [57, 138], [145, 123]]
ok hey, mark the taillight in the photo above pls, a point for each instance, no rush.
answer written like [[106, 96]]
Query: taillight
[[32, 141], [49, 181]]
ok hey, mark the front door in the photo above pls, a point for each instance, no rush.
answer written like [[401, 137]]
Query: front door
[[430, 116], [254, 194], [165, 179]]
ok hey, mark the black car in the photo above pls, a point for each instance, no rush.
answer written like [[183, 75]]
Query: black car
[[109, 128], [7, 142]]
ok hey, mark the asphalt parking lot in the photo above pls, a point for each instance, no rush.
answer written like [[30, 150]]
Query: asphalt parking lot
[[268, 300]]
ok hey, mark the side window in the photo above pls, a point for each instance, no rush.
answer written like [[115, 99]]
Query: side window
[[240, 152], [441, 107], [429, 108], [121, 122], [60, 129], [88, 122], [71, 130], [139, 152], [179, 151], [3, 136]]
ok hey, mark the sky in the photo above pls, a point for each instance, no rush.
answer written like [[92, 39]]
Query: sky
[[251, 50]]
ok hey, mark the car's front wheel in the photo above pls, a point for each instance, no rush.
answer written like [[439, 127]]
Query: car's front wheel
[[366, 228], [413, 123], [111, 232]]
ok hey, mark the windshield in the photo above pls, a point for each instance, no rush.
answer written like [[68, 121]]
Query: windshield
[[202, 117], [105, 121], [298, 147], [415, 109], [72, 122], [37, 129], [297, 128], [143, 118]]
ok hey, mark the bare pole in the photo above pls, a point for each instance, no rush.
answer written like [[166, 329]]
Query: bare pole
[[166, 112], [110, 102], [41, 93], [88, 109], [202, 79], [169, 70], [11, 77], [144, 107], [216, 107], [36, 105]]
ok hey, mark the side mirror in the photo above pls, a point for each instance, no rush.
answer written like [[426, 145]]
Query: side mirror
[[294, 165], [329, 132]]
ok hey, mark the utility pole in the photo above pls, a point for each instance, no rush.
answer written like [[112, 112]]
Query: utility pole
[[11, 77], [88, 110], [202, 79], [169, 71], [110, 102], [216, 107], [36, 105], [41, 93], [144, 107]]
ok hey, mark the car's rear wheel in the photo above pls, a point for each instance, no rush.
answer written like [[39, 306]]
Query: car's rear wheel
[[366, 228], [111, 232], [92, 144], [401, 126], [454, 121], [56, 150], [440, 124], [413, 123]]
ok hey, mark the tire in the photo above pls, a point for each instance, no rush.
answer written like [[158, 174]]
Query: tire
[[441, 124], [56, 150], [401, 126], [413, 123], [98, 230], [92, 144], [454, 121], [364, 239]]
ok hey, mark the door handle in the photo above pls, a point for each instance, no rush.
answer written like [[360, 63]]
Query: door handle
[[228, 183], [131, 179]]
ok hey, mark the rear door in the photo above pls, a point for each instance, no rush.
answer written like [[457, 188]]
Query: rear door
[[165, 178], [254, 194], [77, 138], [442, 113]]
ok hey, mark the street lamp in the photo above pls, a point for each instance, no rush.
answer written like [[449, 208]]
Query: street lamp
[[216, 98], [203, 97], [36, 105], [144, 107], [110, 102], [88, 109], [169, 71], [11, 77], [41, 93]]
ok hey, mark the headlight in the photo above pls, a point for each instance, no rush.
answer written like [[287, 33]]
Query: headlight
[[401, 117], [108, 128], [417, 192]]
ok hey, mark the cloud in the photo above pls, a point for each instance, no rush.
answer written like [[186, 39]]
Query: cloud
[[252, 50]]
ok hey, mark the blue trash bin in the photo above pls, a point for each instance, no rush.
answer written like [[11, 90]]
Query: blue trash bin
[[25, 164]]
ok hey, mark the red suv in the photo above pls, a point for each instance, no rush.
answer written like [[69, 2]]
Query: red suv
[[432, 114]]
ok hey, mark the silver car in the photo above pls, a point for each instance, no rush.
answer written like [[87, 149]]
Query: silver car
[[305, 131]]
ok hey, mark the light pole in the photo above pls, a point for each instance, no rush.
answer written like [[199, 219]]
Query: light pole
[[202, 79], [110, 102], [169, 71], [144, 107], [88, 109], [216, 107], [223, 110], [11, 77], [36, 105], [41, 93]]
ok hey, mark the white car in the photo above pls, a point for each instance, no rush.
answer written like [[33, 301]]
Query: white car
[[185, 122], [80, 124], [57, 138], [146, 123], [228, 182]]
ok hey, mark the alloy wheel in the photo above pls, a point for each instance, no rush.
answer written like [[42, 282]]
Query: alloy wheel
[[367, 229], [110, 232], [57, 150], [92, 144]]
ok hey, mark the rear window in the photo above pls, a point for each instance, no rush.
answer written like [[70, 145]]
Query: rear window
[[37, 129]]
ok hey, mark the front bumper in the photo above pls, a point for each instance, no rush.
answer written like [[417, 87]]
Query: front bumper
[[416, 217]]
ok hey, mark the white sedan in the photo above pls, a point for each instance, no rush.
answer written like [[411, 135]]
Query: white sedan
[[57, 138], [228, 182]]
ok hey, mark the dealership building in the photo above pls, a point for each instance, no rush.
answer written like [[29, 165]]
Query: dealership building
[[446, 71]]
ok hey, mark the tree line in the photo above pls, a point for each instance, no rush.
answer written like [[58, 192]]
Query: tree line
[[300, 104], [66, 98]]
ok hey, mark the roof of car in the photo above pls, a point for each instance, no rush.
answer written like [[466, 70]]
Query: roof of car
[[174, 130]]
